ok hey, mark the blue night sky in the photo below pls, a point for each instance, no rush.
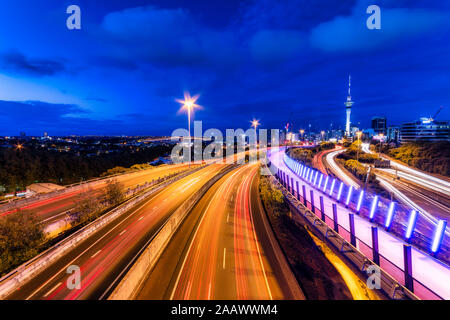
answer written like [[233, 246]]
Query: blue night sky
[[274, 60]]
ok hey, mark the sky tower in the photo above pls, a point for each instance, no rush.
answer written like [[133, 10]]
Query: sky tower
[[348, 107]]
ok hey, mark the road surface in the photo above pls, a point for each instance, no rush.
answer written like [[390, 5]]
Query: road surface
[[52, 209], [223, 250], [104, 255]]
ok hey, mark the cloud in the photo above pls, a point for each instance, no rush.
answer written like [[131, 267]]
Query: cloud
[[36, 116], [273, 46], [170, 37], [349, 33], [18, 62]]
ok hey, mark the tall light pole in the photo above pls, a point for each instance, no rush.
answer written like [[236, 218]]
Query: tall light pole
[[189, 104], [302, 132], [255, 124], [322, 133], [358, 134], [381, 140]]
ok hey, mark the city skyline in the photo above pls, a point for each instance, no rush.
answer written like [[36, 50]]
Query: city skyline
[[114, 77]]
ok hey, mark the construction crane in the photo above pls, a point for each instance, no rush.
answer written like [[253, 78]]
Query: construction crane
[[435, 115]]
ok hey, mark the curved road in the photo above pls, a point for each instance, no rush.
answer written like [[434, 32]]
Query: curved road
[[106, 253], [223, 250]]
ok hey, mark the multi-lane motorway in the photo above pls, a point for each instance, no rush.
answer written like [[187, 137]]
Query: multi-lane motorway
[[224, 250], [103, 256], [53, 208]]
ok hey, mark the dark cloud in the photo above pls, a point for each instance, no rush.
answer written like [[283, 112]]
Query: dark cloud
[[33, 117], [18, 62]]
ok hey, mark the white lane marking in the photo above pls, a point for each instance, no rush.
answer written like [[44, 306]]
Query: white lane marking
[[228, 217], [140, 218], [51, 290], [224, 257], [122, 232], [209, 291], [96, 253]]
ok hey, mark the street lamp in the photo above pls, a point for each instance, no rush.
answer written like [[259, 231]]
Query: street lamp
[[358, 134], [255, 123], [381, 140], [322, 133], [189, 104], [302, 132]]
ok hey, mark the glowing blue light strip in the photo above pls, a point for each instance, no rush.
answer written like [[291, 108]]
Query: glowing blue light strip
[[332, 187], [315, 177], [320, 180], [438, 235], [411, 224], [361, 195], [326, 183], [340, 191], [374, 206], [349, 195], [390, 215]]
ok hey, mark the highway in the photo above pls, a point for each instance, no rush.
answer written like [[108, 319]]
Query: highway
[[318, 160], [106, 253], [224, 250], [341, 174], [429, 271], [426, 193], [49, 210]]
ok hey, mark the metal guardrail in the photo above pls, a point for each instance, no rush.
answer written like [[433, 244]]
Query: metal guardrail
[[26, 271], [391, 287]]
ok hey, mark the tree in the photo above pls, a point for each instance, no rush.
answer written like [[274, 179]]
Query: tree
[[87, 205], [21, 235], [114, 192]]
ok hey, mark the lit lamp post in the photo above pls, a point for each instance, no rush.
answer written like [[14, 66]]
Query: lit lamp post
[[255, 124], [358, 134], [302, 132], [323, 134], [189, 104], [381, 140]]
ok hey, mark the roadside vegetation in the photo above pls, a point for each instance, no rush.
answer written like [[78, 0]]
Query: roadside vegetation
[[432, 157], [20, 168], [22, 236], [306, 155], [317, 277]]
